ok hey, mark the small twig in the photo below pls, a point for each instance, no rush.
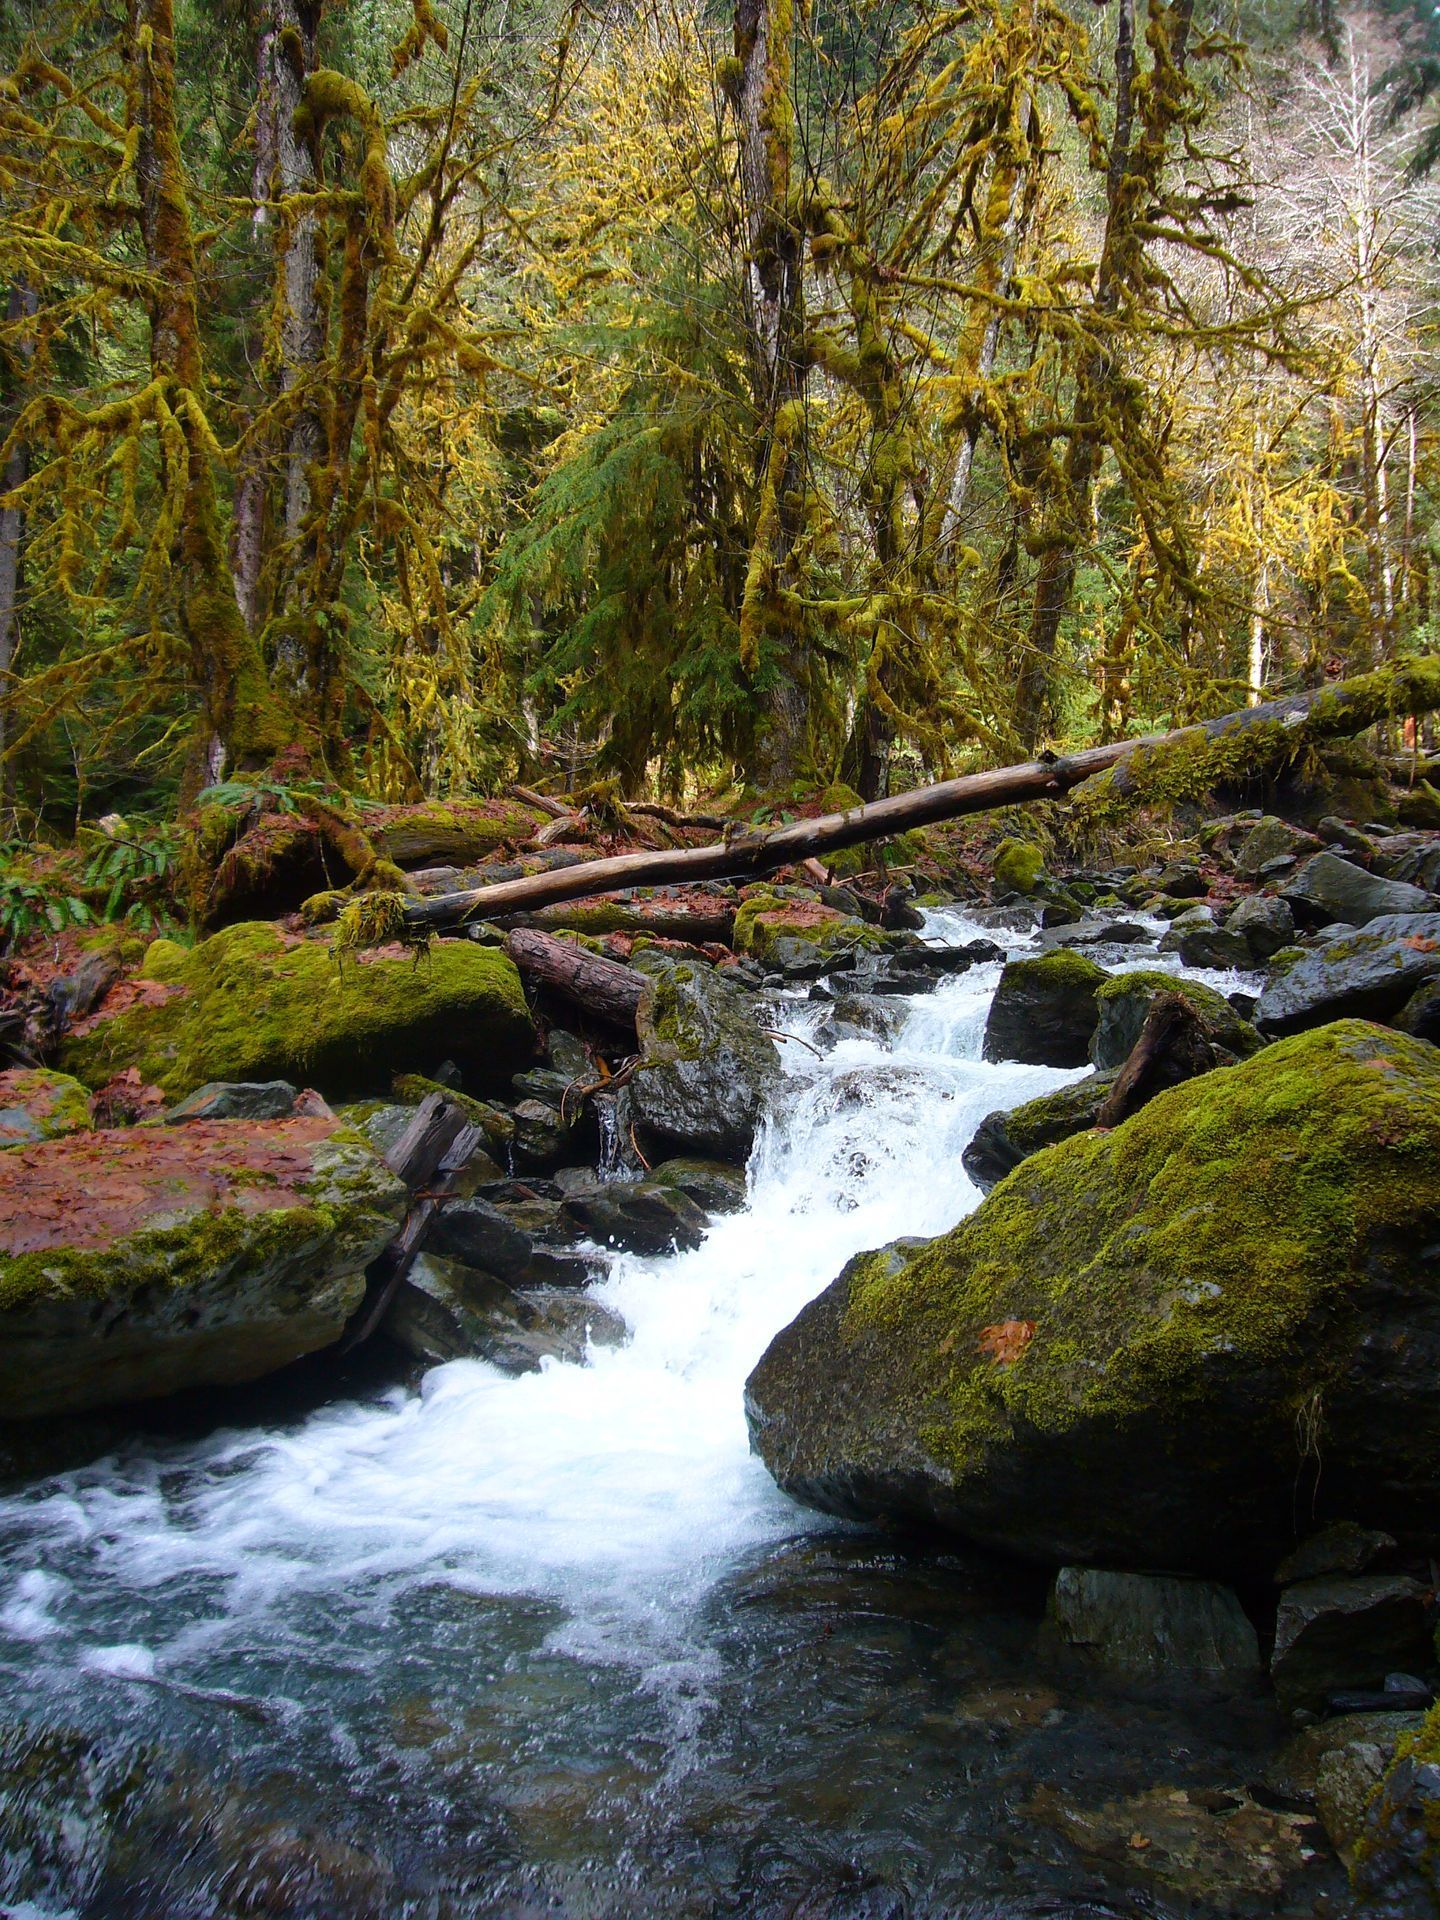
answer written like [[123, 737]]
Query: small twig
[[776, 1034]]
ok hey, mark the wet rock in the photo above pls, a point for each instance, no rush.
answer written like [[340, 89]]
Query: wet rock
[[1182, 882], [1168, 1293], [1345, 1782], [477, 1234], [445, 1311], [569, 1055], [36, 1104], [137, 1262], [1338, 1632], [544, 1140], [1414, 857], [707, 1071], [713, 1185], [237, 1100], [1004, 1138], [1369, 974], [1208, 947], [855, 1016], [1272, 839], [1264, 922], [254, 1004], [1124, 1000], [1105, 933], [1150, 1627], [1397, 1859], [1044, 1010], [636, 1216], [1329, 888], [1341, 1548]]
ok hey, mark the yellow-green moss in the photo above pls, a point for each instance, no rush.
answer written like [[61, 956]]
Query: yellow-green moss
[[766, 917], [1226, 1218], [52, 1103], [1018, 866], [250, 1006]]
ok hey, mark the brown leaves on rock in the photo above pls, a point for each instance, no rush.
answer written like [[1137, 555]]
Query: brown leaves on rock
[[91, 1189], [126, 1099], [1006, 1340]]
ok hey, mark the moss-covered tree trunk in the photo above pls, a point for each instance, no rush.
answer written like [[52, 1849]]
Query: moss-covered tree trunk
[[772, 636], [241, 721], [20, 347]]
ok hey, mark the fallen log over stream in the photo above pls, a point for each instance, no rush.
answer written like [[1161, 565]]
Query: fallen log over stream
[[1251, 743]]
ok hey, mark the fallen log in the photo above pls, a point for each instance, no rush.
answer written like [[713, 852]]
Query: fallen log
[[1160, 768], [602, 987]]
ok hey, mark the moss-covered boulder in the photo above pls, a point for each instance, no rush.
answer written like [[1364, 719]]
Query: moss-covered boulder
[[1143, 1342], [707, 1071], [1123, 1001], [36, 1104], [253, 1004], [791, 931], [133, 1263], [1018, 867], [1045, 1009]]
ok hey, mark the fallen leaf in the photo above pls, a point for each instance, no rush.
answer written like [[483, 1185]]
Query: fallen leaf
[[1006, 1340]]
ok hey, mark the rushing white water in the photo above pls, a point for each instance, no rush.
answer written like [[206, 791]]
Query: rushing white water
[[619, 1491]]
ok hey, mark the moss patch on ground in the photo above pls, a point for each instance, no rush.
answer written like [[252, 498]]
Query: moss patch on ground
[[248, 1004]]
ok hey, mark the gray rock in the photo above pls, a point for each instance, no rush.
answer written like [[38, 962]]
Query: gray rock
[[1264, 922], [713, 1185], [1209, 947], [855, 1016], [1004, 1138], [1413, 857], [569, 1055], [1272, 839], [478, 1235], [1345, 1782], [1369, 974], [1329, 888], [1397, 1870], [1338, 1632], [707, 1071], [445, 1311], [1044, 1010], [1340, 833], [1341, 1548], [1420, 1014], [238, 1100], [1152, 1627]]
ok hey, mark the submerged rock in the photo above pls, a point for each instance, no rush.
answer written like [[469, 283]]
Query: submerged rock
[[36, 1104], [1370, 974], [249, 1004], [707, 1071], [1151, 1627], [1044, 1010], [138, 1262], [1104, 1363]]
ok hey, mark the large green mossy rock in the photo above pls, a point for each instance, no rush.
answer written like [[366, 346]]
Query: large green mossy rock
[[708, 1072], [251, 1004], [1144, 1342], [140, 1261]]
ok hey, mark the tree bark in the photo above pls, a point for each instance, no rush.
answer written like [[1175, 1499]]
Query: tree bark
[[23, 304], [1268, 737], [602, 987]]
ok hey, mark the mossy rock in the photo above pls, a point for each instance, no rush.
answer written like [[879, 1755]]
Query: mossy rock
[[248, 1004], [1125, 999], [767, 919], [1018, 867], [1143, 1342], [134, 1263], [707, 1072], [1004, 1138], [36, 1104], [1396, 1866], [1045, 1009]]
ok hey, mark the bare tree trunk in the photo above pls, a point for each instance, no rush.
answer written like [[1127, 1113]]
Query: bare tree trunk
[[771, 635]]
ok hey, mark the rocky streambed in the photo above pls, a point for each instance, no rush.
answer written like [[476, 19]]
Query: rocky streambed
[[500, 1613]]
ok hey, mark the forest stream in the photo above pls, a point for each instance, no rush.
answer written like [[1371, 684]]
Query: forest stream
[[556, 1644]]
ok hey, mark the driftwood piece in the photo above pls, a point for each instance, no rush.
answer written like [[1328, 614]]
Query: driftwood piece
[[1265, 735], [1174, 1044], [443, 1146], [602, 987]]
